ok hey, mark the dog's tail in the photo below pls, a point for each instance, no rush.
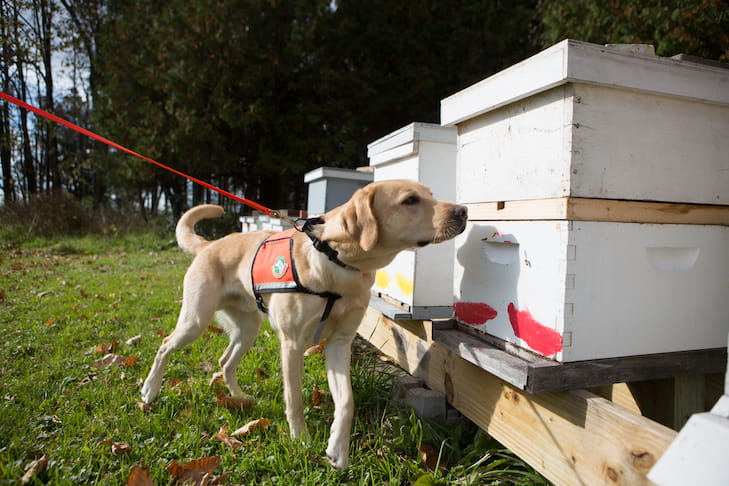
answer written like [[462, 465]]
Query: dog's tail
[[188, 240]]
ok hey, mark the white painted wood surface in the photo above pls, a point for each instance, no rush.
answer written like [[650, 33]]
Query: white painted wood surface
[[420, 278], [573, 61], [589, 121], [607, 289], [589, 141]]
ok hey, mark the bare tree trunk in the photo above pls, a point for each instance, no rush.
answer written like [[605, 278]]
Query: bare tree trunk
[[6, 155], [44, 10]]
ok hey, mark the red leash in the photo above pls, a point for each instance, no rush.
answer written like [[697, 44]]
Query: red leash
[[68, 124]]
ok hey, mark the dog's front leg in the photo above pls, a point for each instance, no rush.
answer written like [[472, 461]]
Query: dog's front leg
[[338, 354], [292, 367]]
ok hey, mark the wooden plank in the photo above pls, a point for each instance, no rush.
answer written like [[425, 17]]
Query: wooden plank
[[688, 398], [589, 209], [573, 438], [540, 375], [550, 376]]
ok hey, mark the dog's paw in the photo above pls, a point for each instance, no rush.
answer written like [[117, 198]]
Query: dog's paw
[[338, 461], [149, 392]]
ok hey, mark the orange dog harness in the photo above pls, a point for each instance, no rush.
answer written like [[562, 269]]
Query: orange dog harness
[[274, 270]]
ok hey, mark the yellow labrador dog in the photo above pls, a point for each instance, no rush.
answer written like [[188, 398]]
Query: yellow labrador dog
[[354, 240]]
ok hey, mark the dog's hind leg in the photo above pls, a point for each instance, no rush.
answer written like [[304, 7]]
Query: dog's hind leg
[[194, 318], [242, 328]]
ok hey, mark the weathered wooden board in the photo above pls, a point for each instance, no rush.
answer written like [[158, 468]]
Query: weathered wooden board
[[538, 375], [573, 438], [590, 209]]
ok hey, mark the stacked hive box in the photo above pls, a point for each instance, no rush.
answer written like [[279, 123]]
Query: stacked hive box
[[597, 181], [418, 281], [330, 187]]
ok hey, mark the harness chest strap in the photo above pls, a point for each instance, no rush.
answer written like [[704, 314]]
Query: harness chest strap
[[274, 270]]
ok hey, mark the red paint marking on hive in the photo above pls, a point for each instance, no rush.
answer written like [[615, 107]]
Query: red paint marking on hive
[[474, 313], [539, 337]]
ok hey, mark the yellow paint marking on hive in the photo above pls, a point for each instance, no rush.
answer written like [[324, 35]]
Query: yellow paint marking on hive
[[405, 284], [382, 280]]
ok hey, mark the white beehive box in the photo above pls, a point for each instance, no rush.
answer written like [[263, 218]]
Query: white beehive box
[[330, 187], [579, 290], [587, 124], [584, 120], [419, 279]]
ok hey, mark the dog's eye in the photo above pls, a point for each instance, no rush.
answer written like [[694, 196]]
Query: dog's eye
[[411, 200]]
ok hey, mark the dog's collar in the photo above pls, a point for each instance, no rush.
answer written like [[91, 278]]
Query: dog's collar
[[322, 245]]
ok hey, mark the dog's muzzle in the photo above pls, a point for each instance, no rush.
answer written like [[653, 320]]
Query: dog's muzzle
[[455, 226]]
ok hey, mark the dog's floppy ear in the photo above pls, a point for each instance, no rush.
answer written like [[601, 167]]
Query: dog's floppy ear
[[359, 219]]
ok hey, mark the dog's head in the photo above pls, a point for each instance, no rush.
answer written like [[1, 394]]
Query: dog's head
[[394, 215]]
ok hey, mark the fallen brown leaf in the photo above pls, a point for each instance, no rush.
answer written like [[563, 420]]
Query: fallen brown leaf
[[232, 403], [107, 361], [197, 470], [144, 406], [315, 349], [429, 456], [51, 321], [260, 374], [133, 341], [131, 360], [105, 348], [139, 476], [259, 424], [215, 330], [223, 437], [37, 467], [118, 448]]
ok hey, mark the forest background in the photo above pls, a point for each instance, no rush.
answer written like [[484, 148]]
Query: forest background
[[250, 95]]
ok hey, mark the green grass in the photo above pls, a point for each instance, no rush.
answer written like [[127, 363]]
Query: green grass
[[61, 299]]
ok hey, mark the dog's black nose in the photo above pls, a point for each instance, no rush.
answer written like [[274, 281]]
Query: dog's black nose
[[460, 211]]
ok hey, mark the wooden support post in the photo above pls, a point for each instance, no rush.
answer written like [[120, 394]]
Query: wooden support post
[[688, 398], [573, 438]]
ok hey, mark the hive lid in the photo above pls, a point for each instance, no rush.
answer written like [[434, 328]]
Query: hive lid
[[575, 61], [337, 173], [415, 132]]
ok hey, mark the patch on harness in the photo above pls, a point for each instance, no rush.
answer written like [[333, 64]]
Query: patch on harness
[[279, 267]]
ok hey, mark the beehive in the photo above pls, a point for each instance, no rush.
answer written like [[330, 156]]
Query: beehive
[[570, 136], [419, 281]]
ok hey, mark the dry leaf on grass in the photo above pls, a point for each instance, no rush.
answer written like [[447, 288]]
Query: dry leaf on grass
[[315, 349], [429, 456], [215, 330], [118, 448], [144, 406], [131, 360], [105, 348], [37, 467], [133, 341], [223, 437], [107, 361], [232, 403], [217, 379], [198, 470], [259, 424], [318, 395], [139, 476]]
